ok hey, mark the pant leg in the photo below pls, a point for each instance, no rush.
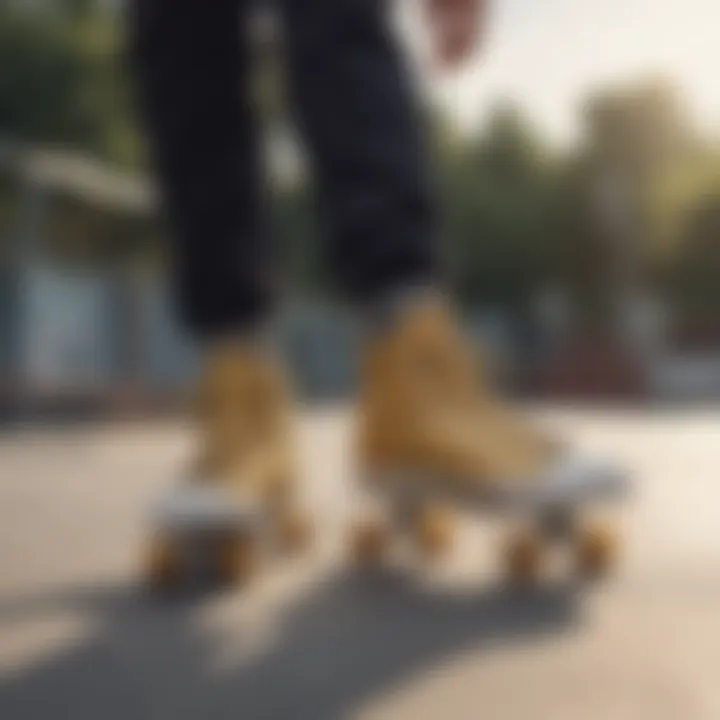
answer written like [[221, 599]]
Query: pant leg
[[354, 104], [191, 65]]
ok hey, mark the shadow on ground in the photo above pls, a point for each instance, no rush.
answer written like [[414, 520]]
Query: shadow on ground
[[347, 641]]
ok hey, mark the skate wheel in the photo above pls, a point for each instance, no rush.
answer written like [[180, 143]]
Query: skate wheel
[[597, 549], [164, 565], [236, 560], [295, 532], [524, 557], [370, 543], [434, 532]]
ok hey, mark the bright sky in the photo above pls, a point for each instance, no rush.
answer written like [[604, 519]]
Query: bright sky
[[545, 53]]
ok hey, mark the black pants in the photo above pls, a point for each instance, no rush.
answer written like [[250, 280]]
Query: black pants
[[354, 107]]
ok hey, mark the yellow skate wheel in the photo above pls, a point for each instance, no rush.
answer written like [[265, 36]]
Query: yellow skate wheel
[[370, 543], [524, 558], [236, 559], [295, 531], [164, 567], [597, 550], [434, 531]]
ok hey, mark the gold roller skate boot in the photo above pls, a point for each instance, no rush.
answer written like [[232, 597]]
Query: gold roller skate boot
[[242, 489], [432, 435]]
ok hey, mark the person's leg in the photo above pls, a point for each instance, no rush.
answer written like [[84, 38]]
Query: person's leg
[[354, 104], [424, 414], [192, 69]]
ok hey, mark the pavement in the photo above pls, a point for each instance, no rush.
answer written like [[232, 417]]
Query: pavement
[[79, 638]]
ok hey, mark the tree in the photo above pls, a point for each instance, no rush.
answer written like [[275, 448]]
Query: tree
[[61, 81], [498, 189], [636, 140], [693, 274]]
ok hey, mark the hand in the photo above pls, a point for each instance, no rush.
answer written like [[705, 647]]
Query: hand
[[456, 28]]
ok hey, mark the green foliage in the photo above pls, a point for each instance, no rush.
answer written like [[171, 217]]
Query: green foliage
[[692, 273], [302, 245], [41, 78], [61, 80], [498, 190]]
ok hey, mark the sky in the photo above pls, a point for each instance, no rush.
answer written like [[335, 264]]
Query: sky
[[546, 53]]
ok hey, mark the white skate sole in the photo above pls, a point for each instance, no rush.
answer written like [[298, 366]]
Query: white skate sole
[[573, 481], [195, 508]]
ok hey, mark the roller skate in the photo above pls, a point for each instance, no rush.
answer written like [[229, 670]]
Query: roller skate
[[239, 502], [433, 439]]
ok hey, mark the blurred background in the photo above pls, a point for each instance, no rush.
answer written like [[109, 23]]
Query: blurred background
[[578, 161]]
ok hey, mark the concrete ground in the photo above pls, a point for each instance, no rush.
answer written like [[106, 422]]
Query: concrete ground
[[79, 639]]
